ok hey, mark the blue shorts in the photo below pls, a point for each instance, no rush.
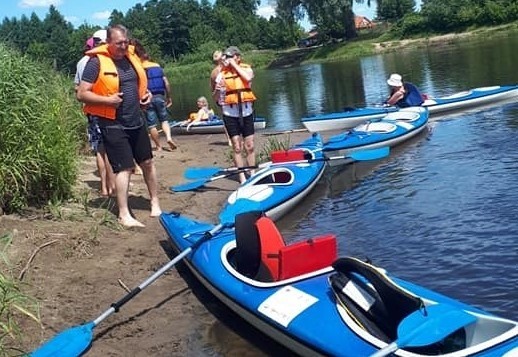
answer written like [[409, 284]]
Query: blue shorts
[[156, 111], [95, 138]]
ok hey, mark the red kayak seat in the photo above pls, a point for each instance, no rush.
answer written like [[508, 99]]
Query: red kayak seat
[[261, 252], [287, 155], [280, 156]]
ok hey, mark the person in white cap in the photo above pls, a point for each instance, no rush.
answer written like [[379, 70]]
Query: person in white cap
[[403, 94], [93, 131], [100, 36]]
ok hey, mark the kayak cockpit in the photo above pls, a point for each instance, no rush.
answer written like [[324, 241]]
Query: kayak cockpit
[[376, 309], [260, 257]]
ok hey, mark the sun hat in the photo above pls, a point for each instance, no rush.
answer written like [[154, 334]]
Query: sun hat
[[90, 43], [395, 80], [232, 51], [100, 36]]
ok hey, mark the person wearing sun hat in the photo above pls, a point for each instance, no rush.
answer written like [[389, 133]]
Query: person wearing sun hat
[[234, 83], [403, 94]]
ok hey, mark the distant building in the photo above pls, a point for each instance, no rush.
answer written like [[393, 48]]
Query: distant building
[[311, 40], [361, 23]]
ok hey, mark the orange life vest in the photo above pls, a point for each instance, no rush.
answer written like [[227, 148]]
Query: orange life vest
[[237, 90], [108, 80]]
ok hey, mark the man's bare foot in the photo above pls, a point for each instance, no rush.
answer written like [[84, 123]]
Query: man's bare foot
[[172, 144], [130, 222], [157, 148], [155, 212]]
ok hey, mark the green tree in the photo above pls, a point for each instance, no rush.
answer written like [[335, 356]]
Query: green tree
[[394, 10]]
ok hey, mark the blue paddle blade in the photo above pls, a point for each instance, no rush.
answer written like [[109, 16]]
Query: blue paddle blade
[[372, 154], [242, 205], [195, 173], [72, 342], [189, 186], [423, 329], [441, 320]]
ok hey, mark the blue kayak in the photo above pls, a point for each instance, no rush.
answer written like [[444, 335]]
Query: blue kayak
[[214, 126], [393, 129], [285, 181], [317, 305], [464, 100]]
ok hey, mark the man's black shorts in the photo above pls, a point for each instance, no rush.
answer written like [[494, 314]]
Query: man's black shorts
[[236, 126], [126, 146]]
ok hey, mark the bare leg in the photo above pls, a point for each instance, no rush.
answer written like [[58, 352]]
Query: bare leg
[[122, 180], [155, 137], [237, 145], [149, 170], [167, 131], [228, 137], [250, 151], [109, 175], [101, 169]]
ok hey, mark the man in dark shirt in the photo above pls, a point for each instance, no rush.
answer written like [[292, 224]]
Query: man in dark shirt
[[113, 88]]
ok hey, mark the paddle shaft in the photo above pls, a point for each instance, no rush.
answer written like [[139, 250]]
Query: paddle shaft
[[117, 305], [360, 155]]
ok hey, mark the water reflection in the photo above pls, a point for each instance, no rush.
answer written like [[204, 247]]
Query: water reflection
[[439, 212]]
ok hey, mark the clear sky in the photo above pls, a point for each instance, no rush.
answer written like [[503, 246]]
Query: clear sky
[[96, 12]]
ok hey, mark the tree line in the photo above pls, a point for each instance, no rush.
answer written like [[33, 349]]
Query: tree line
[[187, 31]]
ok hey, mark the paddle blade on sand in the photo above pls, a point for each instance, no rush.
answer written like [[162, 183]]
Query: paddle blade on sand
[[69, 343]]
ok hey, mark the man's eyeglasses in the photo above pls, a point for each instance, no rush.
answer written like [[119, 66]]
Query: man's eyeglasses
[[121, 43]]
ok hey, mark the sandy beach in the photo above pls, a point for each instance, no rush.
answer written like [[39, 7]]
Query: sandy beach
[[77, 266]]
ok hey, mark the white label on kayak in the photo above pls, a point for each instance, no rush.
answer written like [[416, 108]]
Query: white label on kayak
[[286, 304], [358, 295]]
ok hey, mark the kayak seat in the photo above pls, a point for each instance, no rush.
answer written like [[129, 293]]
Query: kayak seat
[[284, 262], [247, 256], [279, 156], [308, 256], [371, 297], [261, 253]]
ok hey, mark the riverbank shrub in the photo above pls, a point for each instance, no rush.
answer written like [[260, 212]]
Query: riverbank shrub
[[42, 129], [200, 65]]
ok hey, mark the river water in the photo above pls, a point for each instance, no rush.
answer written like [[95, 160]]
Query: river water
[[441, 210]]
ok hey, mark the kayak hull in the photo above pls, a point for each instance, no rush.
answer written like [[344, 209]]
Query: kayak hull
[[301, 312], [464, 100], [392, 130], [215, 126], [279, 187]]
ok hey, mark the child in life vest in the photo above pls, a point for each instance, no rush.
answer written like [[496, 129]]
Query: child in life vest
[[203, 113]]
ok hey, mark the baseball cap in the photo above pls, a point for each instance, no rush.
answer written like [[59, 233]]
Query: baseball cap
[[232, 51], [100, 36]]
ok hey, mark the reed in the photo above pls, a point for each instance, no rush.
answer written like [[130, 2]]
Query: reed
[[15, 306], [42, 131]]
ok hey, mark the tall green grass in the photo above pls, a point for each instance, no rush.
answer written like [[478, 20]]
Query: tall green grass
[[41, 130], [15, 306]]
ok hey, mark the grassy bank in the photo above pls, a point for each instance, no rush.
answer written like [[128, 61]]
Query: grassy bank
[[42, 130], [367, 44]]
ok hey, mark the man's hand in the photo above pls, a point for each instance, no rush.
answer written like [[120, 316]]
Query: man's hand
[[115, 100], [146, 99]]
